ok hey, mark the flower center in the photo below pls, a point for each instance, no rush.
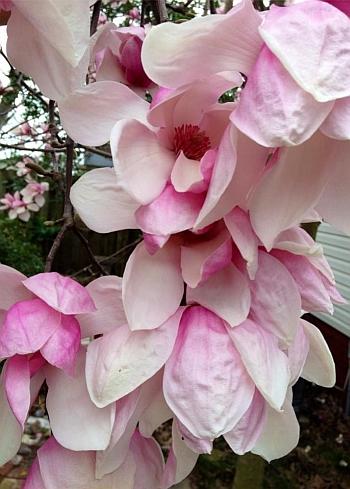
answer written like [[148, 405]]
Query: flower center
[[191, 140]]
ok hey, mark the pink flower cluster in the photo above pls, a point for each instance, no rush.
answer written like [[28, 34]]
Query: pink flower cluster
[[205, 328]]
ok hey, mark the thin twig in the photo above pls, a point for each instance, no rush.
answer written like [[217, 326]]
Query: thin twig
[[95, 17], [23, 148], [89, 250], [95, 150], [162, 11], [55, 247]]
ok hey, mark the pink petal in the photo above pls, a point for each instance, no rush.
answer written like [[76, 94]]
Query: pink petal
[[223, 172], [297, 353], [280, 434], [106, 292], [280, 112], [181, 461], [319, 366], [149, 461], [245, 434], [156, 413], [201, 260], [34, 479], [276, 303], [186, 174], [170, 213], [263, 360], [197, 445], [233, 302], [147, 302], [142, 164], [122, 360], [27, 327], [10, 429], [98, 190], [61, 293], [62, 347], [314, 295], [208, 392], [238, 223], [17, 386], [291, 187], [154, 243], [89, 114], [172, 53], [316, 57], [335, 200], [31, 53], [75, 421], [12, 290], [342, 5], [337, 123]]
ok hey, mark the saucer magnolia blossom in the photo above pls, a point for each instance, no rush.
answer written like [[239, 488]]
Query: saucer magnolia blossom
[[40, 337]]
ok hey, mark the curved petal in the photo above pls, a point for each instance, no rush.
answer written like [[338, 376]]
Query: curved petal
[[280, 434], [63, 294], [171, 53], [208, 392], [335, 200], [76, 422], [181, 460], [27, 327], [318, 58], [17, 386], [201, 260], [12, 290], [232, 303], [186, 173], [319, 366], [94, 193], [34, 479], [297, 354], [31, 53], [292, 186], [62, 347], [280, 112], [122, 360], [147, 302], [157, 413], [89, 114], [276, 303], [337, 124], [11, 431], [263, 361], [149, 461], [106, 292], [142, 164], [238, 223], [170, 213], [245, 434]]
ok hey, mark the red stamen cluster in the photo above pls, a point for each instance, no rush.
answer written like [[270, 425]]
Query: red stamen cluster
[[191, 140]]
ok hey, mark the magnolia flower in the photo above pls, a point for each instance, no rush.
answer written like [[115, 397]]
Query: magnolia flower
[[22, 169], [34, 192], [24, 130], [17, 207], [40, 336]]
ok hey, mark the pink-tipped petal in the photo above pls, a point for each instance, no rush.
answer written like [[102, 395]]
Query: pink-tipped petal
[[232, 303], [245, 434], [201, 260], [238, 223], [291, 187], [98, 190], [149, 461], [106, 292], [62, 347], [122, 360], [61, 293], [142, 164], [89, 114], [17, 386], [276, 303], [171, 53], [319, 62], [280, 433], [27, 327], [170, 213], [319, 366], [280, 112], [75, 421], [208, 392], [12, 290], [262, 358], [147, 302]]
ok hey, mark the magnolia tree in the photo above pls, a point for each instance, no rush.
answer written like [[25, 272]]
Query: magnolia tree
[[227, 132]]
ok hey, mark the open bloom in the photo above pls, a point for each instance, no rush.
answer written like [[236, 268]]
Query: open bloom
[[17, 207], [34, 192], [40, 337]]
